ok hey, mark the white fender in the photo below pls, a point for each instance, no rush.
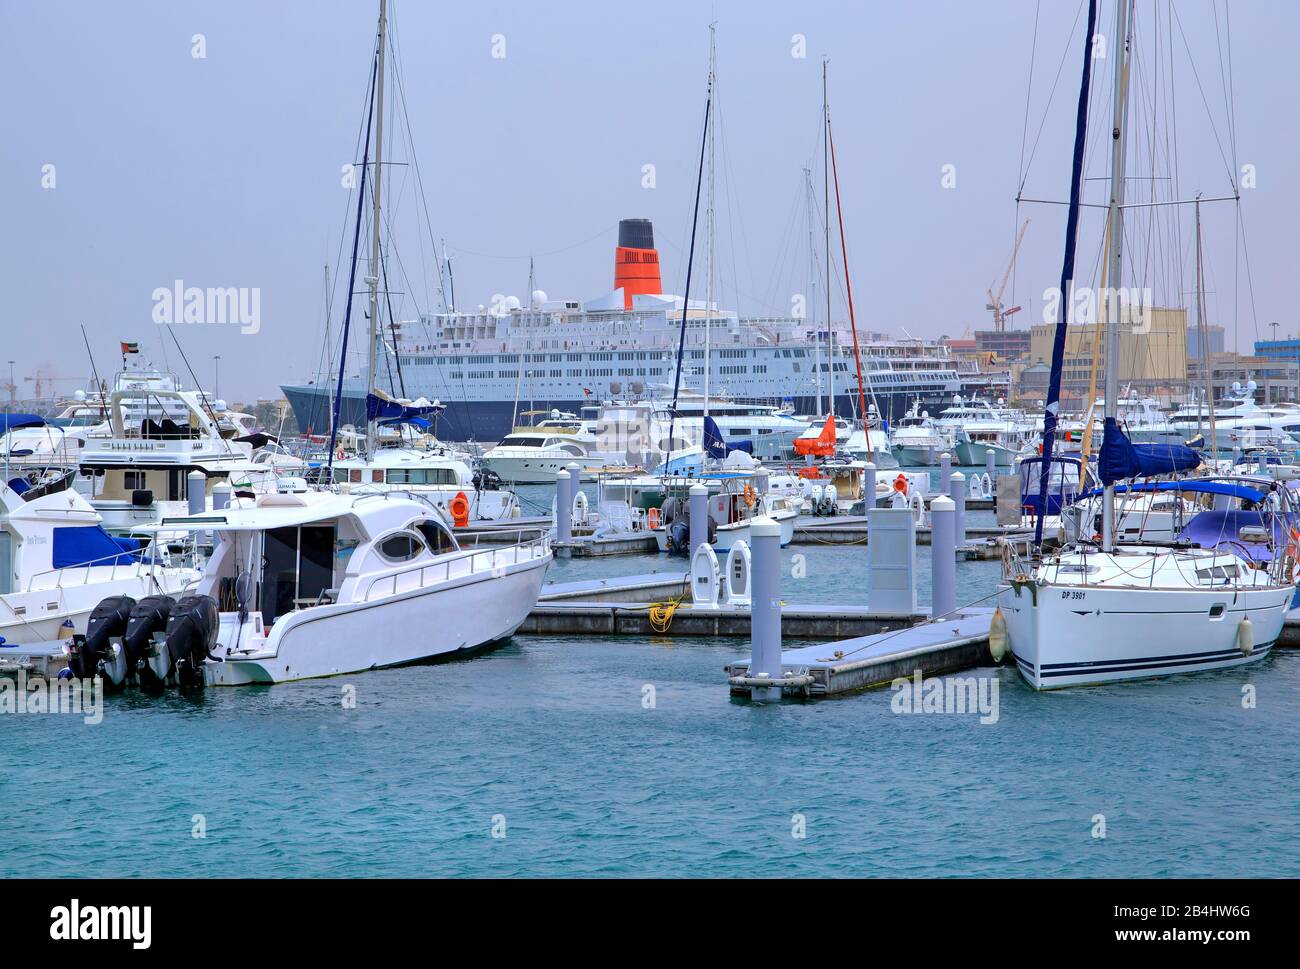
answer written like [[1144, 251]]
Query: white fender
[[735, 582], [918, 508], [987, 484], [704, 576], [580, 508], [1246, 636]]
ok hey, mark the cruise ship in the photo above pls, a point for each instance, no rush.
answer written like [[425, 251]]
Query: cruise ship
[[486, 366]]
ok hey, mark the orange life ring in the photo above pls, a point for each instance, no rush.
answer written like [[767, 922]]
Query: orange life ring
[[750, 496], [652, 516], [459, 507], [900, 484]]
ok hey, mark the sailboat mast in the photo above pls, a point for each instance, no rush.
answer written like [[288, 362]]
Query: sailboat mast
[[812, 284], [826, 218], [373, 278], [1115, 222], [1202, 344], [710, 224]]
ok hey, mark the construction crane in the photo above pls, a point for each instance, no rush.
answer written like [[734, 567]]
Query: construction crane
[[1000, 313], [39, 379]]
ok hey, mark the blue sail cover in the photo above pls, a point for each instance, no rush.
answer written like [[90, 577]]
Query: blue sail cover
[[1120, 458], [377, 408], [1223, 531], [714, 445], [91, 545]]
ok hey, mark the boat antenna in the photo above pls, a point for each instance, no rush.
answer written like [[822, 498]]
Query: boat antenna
[[352, 275], [1067, 280], [826, 220], [690, 262]]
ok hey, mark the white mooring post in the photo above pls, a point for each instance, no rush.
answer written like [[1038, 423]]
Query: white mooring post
[[869, 486], [891, 561], [563, 508], [221, 496], [943, 557], [765, 612], [990, 463], [699, 516], [958, 495], [195, 484], [945, 471]]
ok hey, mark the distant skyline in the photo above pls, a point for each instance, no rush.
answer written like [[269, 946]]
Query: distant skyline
[[130, 163]]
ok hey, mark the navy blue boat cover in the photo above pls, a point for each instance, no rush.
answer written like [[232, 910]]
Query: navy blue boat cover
[[1120, 458]]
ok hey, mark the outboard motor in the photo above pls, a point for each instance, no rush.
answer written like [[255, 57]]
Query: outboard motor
[[192, 631], [147, 618], [96, 653], [668, 511], [679, 538]]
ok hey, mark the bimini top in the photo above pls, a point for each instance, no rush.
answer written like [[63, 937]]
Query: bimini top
[[1198, 486], [12, 422], [377, 512]]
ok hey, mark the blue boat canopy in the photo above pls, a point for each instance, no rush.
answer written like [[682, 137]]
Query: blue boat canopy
[[1120, 458], [12, 422], [1197, 486], [91, 545], [381, 408]]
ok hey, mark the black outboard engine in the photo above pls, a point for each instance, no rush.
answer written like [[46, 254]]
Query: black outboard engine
[[669, 510], [679, 538], [485, 480], [95, 653], [192, 631], [148, 617]]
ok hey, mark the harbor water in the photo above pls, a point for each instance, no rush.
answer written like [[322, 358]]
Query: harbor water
[[627, 757]]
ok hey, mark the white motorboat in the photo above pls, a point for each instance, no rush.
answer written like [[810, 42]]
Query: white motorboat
[[57, 563], [732, 505], [432, 473], [916, 441], [536, 454], [317, 584]]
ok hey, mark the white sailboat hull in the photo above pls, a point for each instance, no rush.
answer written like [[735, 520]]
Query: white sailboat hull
[[1064, 635]]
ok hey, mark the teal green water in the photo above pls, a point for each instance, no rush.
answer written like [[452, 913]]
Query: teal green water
[[550, 741]]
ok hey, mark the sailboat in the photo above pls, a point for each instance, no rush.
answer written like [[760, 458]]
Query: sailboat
[[400, 463], [1098, 611]]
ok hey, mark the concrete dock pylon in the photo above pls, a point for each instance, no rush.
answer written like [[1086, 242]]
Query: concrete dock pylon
[[943, 557], [957, 492], [869, 486], [765, 624], [699, 507], [945, 471], [563, 507], [195, 492]]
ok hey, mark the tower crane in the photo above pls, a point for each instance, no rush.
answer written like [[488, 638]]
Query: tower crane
[[1000, 313]]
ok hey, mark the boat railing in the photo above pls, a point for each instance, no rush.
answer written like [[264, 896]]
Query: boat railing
[[65, 575], [452, 564]]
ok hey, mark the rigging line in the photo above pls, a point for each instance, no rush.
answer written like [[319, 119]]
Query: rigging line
[[419, 176], [848, 287], [392, 323], [690, 260], [352, 276], [1029, 87], [1024, 177], [1232, 180]]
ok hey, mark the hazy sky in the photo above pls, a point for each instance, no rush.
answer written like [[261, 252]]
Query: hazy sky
[[224, 171]]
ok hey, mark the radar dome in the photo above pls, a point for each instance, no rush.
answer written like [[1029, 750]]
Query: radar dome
[[79, 395], [512, 303], [539, 298]]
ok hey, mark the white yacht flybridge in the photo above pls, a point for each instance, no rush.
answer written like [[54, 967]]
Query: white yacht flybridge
[[1098, 611], [140, 472]]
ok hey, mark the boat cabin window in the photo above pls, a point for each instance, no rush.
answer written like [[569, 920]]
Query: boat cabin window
[[401, 547], [133, 480], [419, 476], [436, 538], [297, 567]]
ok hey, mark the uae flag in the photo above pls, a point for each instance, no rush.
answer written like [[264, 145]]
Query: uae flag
[[130, 348]]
